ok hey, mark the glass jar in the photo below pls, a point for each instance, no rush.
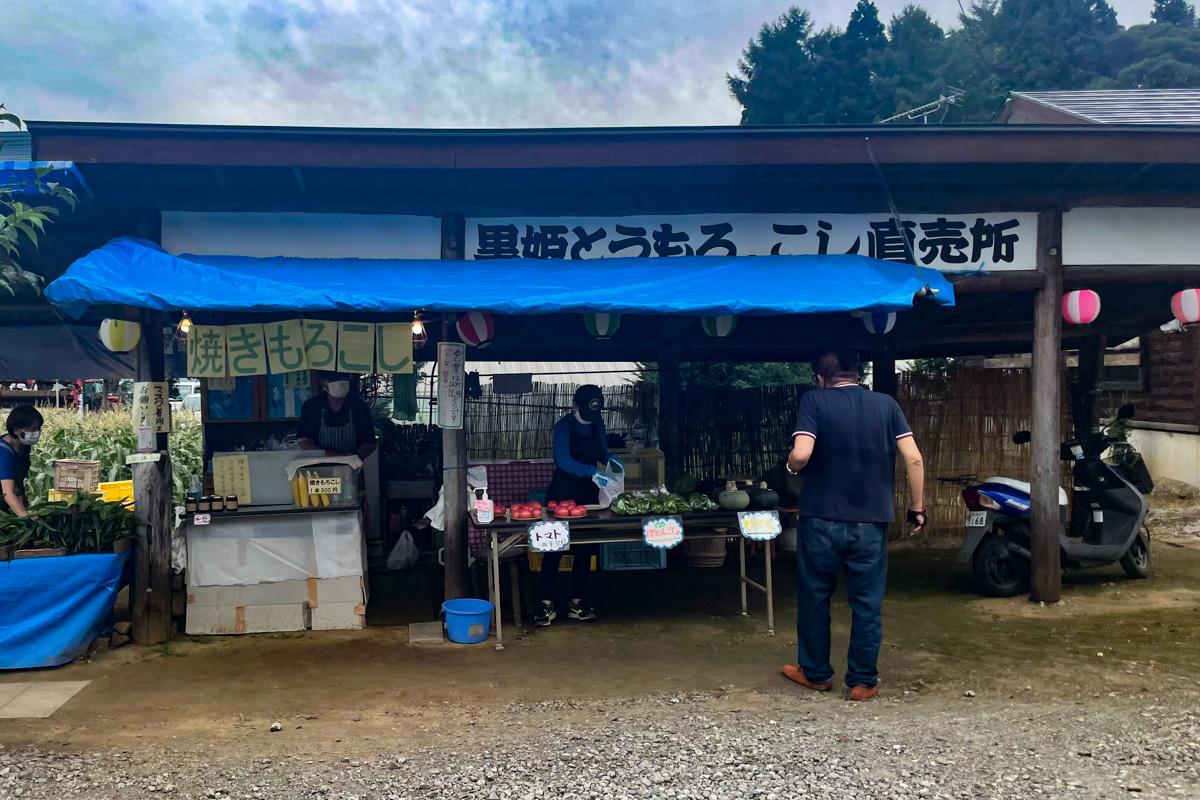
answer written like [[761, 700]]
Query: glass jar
[[204, 504], [231, 503], [218, 503]]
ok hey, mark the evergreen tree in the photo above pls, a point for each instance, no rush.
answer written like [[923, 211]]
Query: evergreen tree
[[1157, 56], [1175, 12], [909, 72]]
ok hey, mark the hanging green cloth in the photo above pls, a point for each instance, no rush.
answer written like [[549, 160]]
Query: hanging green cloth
[[404, 397]]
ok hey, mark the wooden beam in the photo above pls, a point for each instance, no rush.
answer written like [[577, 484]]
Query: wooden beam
[[1047, 355], [670, 405], [454, 450], [883, 371], [150, 603], [1015, 281], [1139, 274]]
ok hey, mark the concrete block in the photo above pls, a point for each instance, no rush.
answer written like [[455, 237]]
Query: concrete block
[[348, 589], [425, 633], [273, 618], [258, 594], [338, 616], [211, 620]]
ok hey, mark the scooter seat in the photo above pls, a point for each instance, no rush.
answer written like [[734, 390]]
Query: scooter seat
[[1022, 486]]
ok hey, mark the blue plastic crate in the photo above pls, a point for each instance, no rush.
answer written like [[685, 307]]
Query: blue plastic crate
[[631, 555]]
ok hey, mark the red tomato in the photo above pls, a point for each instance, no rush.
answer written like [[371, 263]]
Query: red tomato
[[569, 503], [562, 511], [579, 511], [522, 514], [553, 504], [498, 511], [535, 506]]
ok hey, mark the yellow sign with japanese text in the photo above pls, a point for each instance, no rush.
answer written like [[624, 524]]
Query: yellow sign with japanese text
[[394, 348], [320, 343], [356, 347], [247, 350], [285, 346], [206, 352]]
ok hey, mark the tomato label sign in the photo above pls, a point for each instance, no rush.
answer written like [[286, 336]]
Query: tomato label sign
[[662, 532], [550, 536], [761, 526]]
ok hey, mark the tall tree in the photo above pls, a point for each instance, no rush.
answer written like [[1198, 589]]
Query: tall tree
[[1175, 12], [1157, 56], [909, 72]]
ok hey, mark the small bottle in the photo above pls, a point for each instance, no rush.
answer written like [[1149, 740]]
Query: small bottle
[[231, 503], [204, 504], [485, 509], [194, 489], [217, 502]]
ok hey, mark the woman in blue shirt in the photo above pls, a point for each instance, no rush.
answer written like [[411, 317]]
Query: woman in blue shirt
[[580, 444], [24, 425]]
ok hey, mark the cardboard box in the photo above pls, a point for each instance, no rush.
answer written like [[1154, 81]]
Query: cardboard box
[[339, 617]]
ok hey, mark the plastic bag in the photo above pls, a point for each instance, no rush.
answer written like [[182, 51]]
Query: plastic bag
[[616, 485], [404, 554]]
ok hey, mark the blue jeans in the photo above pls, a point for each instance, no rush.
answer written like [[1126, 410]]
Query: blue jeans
[[860, 548]]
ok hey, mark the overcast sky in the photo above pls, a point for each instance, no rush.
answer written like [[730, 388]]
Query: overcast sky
[[395, 63]]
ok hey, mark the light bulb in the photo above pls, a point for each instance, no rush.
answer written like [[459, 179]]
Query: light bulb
[[185, 324], [418, 328]]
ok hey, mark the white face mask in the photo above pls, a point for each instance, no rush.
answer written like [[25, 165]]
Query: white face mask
[[338, 389], [30, 438]]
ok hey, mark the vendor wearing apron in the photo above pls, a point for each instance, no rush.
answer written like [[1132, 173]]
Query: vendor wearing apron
[[24, 425], [580, 443], [337, 421]]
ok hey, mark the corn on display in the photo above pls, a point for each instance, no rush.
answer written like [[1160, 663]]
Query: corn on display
[[303, 497]]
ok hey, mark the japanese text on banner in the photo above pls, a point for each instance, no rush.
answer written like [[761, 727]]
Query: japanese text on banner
[[206, 352], [150, 402]]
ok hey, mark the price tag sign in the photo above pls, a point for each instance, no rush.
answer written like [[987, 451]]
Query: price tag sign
[[202, 519], [762, 526], [662, 532], [324, 485], [550, 536]]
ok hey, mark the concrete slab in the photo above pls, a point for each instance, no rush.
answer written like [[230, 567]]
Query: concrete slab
[[425, 633], [39, 700], [10, 690]]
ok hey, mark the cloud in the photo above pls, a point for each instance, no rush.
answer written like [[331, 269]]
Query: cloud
[[401, 63]]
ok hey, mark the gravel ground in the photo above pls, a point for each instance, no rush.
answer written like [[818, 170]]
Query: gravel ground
[[700, 747]]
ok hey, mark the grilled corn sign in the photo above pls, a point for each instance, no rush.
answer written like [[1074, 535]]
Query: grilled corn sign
[[310, 490], [324, 485]]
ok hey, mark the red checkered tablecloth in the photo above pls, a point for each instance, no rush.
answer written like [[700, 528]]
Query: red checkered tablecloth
[[509, 482]]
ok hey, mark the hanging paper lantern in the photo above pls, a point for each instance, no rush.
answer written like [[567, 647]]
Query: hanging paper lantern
[[1185, 306], [1081, 307], [719, 327], [879, 322], [476, 328], [602, 326], [119, 335]]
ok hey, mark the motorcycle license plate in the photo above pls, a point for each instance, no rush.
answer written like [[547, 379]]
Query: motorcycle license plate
[[976, 519]]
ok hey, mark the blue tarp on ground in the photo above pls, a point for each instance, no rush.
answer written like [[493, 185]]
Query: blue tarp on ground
[[135, 272], [52, 608]]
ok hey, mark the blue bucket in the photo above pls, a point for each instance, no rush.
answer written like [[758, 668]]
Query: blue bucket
[[467, 620]]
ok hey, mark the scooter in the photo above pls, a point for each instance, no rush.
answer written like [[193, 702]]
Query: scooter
[[999, 531]]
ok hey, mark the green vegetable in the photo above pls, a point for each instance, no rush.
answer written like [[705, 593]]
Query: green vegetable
[[85, 525]]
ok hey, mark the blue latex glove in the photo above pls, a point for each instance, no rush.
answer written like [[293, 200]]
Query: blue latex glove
[[601, 480], [614, 460]]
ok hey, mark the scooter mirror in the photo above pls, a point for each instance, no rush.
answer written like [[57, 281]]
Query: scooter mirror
[[1021, 437], [1126, 411]]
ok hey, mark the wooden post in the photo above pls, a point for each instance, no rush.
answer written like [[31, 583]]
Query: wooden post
[[670, 406], [150, 603], [454, 450], [1047, 358], [1083, 414], [883, 371]]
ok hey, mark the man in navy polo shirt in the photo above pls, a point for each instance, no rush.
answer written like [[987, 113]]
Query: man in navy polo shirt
[[845, 443]]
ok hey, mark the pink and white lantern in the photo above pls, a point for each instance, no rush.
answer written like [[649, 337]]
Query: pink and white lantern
[[1185, 306], [1081, 307], [476, 329]]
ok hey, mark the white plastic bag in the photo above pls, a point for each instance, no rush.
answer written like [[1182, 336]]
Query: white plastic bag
[[616, 485], [404, 554]]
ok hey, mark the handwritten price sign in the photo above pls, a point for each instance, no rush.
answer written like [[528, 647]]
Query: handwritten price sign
[[662, 532], [761, 526], [550, 536]]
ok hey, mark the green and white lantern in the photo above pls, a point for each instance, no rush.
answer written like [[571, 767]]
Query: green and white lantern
[[602, 326], [719, 327]]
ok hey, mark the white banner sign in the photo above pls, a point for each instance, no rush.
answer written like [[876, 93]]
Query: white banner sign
[[451, 376], [1134, 236], [951, 242]]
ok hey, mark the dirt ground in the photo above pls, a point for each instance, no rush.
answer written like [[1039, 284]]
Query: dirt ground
[[666, 634]]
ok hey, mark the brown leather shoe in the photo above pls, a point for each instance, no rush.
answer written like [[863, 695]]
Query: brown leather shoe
[[861, 693], [797, 674]]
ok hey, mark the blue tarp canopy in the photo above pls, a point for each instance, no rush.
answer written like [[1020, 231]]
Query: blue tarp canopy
[[20, 177], [134, 272]]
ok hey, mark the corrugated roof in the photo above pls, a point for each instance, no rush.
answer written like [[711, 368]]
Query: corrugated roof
[[1124, 106]]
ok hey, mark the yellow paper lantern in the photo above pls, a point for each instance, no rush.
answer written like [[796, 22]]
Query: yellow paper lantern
[[119, 335]]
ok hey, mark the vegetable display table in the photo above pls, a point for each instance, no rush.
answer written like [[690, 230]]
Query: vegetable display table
[[605, 527]]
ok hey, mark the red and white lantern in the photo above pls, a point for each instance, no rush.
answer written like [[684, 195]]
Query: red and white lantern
[[1081, 307], [1185, 306], [476, 329]]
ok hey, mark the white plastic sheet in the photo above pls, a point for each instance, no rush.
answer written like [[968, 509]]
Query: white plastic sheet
[[234, 551]]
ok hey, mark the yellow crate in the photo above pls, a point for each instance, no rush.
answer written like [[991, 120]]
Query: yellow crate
[[56, 496], [116, 491], [568, 561]]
